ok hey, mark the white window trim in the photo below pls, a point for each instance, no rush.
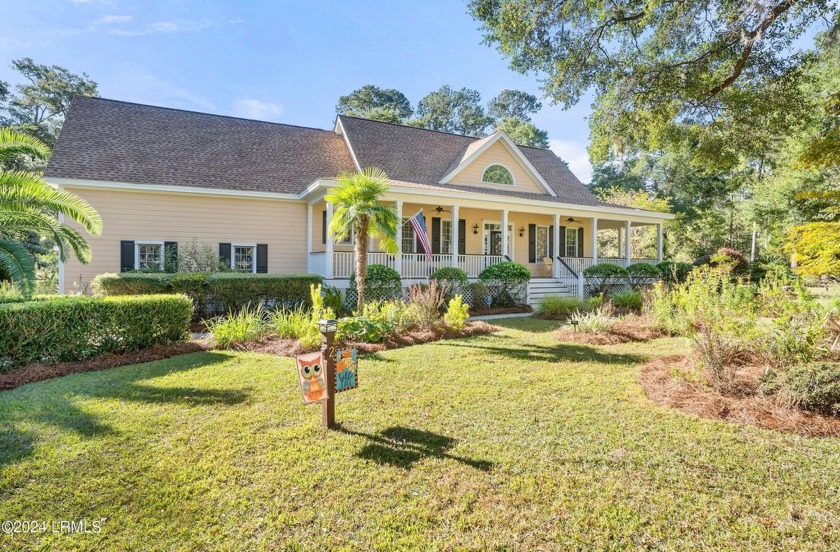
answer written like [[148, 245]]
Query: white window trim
[[511, 241], [233, 247], [512, 177], [574, 230], [446, 235], [546, 253], [137, 245]]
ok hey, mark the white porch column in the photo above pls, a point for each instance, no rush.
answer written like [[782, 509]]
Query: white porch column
[[455, 236], [594, 246], [505, 236], [555, 251], [309, 238], [628, 252], [330, 244], [398, 256], [659, 242]]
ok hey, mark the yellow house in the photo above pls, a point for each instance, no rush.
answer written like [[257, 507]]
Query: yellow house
[[254, 191]]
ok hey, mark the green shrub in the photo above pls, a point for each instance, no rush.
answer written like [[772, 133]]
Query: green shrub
[[554, 305], [248, 324], [595, 321], [457, 313], [639, 273], [674, 273], [814, 386], [79, 328], [334, 300], [630, 299], [506, 283], [132, 283], [231, 291], [601, 278], [381, 283], [454, 280], [194, 286], [299, 323]]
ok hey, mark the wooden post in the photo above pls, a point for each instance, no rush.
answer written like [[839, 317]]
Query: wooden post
[[328, 328]]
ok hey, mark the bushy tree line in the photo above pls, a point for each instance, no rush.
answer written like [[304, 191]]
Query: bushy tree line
[[450, 110]]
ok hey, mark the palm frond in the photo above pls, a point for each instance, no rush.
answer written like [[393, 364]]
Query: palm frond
[[20, 190], [13, 142], [17, 262], [29, 220]]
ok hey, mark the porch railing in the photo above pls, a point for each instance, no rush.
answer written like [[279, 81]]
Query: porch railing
[[414, 265], [344, 262], [474, 265]]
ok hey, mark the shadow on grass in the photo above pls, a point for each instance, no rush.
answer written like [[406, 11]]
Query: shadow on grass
[[527, 324], [402, 447], [555, 353], [55, 402]]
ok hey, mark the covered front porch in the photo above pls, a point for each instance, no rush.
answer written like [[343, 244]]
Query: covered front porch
[[558, 244]]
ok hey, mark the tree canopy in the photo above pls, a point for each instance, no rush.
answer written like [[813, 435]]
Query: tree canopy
[[39, 104], [450, 110], [380, 104]]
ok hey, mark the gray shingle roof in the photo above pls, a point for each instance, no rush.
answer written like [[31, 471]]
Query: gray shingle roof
[[426, 156], [125, 142]]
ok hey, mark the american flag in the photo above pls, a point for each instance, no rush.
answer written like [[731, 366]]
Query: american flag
[[418, 222]]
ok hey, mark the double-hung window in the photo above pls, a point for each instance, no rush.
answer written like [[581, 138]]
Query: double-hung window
[[571, 242], [446, 236], [148, 255], [244, 258], [408, 241]]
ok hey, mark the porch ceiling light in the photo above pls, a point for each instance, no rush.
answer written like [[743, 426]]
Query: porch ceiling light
[[475, 229]]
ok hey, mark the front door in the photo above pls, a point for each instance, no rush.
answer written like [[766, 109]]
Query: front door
[[495, 242]]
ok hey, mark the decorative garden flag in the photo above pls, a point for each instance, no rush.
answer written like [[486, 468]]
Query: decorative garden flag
[[346, 369], [418, 222], [311, 368]]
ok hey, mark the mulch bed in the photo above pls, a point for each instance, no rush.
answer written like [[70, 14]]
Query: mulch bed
[[292, 347], [37, 372], [663, 385], [624, 330]]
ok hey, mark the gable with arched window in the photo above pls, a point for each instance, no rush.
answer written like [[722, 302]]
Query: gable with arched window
[[497, 174]]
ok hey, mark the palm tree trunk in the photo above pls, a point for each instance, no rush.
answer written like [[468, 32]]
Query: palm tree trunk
[[361, 249]]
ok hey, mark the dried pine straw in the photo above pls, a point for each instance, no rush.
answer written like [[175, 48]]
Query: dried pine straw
[[624, 330], [664, 381], [37, 372]]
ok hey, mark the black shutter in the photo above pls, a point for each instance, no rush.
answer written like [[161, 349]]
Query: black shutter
[[462, 237], [324, 227], [550, 242], [532, 243], [224, 254], [580, 242], [126, 256], [262, 258], [562, 241], [170, 256], [436, 235]]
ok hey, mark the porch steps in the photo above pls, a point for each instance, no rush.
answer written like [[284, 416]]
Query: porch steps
[[542, 287]]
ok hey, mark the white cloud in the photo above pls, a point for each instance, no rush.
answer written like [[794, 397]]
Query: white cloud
[[173, 26], [574, 153], [113, 19], [256, 109]]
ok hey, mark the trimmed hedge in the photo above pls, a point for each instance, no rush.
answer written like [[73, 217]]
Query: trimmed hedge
[[233, 291], [506, 282], [79, 328], [638, 273], [214, 293], [453, 278], [604, 277], [381, 283]]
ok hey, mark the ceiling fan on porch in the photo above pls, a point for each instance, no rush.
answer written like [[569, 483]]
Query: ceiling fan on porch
[[440, 210], [571, 220]]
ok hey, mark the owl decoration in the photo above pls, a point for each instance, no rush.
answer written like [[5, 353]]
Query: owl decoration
[[312, 381]]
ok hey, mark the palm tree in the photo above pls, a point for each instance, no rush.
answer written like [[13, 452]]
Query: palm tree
[[28, 204], [358, 211]]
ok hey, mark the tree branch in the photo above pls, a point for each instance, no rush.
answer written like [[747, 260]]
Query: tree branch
[[749, 41]]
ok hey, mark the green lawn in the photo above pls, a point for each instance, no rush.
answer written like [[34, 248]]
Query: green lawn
[[512, 440]]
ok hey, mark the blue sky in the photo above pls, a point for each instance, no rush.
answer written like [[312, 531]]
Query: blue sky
[[274, 60], [280, 61]]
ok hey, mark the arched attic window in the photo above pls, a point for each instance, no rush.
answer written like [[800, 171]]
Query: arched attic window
[[497, 174]]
